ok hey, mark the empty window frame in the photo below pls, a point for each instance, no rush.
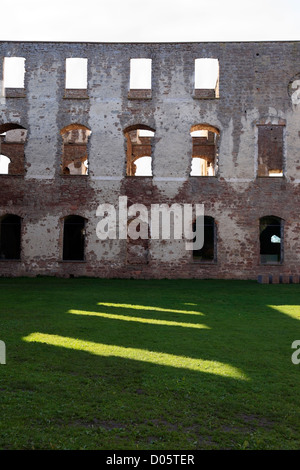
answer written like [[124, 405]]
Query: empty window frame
[[10, 237], [12, 142], [271, 240], [140, 82], [205, 150], [75, 149], [76, 73], [73, 238], [206, 78], [13, 72], [270, 150], [139, 150], [208, 252]]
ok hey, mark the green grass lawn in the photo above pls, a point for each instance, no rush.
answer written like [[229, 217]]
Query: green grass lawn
[[156, 365]]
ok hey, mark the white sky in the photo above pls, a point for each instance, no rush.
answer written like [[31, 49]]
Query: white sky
[[152, 21]]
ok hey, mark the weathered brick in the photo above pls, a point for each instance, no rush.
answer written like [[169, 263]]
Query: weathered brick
[[275, 279], [252, 93], [263, 279], [284, 279]]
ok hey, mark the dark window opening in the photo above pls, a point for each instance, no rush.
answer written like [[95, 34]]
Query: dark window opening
[[74, 238], [208, 251], [270, 150], [271, 234], [10, 237]]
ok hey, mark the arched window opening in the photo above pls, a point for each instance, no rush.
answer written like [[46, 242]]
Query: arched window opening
[[139, 150], [205, 149], [12, 142], [271, 239], [75, 156], [208, 251], [10, 237], [74, 238]]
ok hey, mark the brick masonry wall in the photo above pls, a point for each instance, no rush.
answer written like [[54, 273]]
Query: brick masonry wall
[[255, 88]]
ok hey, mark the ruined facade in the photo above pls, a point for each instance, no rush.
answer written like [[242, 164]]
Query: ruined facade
[[227, 137]]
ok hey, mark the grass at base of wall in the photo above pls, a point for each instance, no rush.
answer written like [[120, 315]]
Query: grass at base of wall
[[155, 365]]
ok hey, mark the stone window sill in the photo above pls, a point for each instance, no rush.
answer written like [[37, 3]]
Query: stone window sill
[[211, 263], [73, 176], [14, 93], [140, 94], [76, 94], [204, 94]]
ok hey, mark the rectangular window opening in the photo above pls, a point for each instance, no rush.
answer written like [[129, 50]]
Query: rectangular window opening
[[140, 78], [271, 240], [139, 152], [14, 72], [208, 252], [206, 78], [140, 74], [270, 151], [76, 74], [204, 153]]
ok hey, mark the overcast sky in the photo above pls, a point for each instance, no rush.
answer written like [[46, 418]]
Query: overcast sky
[[150, 21]]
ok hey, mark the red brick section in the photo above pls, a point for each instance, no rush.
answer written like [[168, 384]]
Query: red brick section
[[74, 153], [15, 93], [203, 93], [270, 149], [76, 94], [285, 279], [263, 278], [139, 94]]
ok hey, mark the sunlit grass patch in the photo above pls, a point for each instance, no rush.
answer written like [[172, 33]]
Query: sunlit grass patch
[[144, 307], [159, 358], [151, 321], [292, 311], [155, 365]]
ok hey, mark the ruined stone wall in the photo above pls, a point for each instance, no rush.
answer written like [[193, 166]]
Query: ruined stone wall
[[258, 85]]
